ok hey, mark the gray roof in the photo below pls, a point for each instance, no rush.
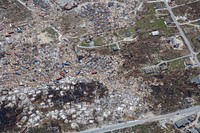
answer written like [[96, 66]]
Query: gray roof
[[110, 4], [198, 129], [193, 131], [196, 80], [191, 118], [198, 22], [182, 122]]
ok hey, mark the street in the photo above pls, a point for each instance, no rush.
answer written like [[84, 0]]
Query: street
[[183, 112], [194, 54]]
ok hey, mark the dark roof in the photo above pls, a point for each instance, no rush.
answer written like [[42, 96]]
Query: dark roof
[[158, 5], [163, 66], [168, 22], [198, 129], [198, 38], [128, 34], [182, 123], [110, 4], [198, 22], [191, 118]]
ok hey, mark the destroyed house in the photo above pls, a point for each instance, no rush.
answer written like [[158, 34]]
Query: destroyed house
[[173, 42], [188, 62], [196, 80]]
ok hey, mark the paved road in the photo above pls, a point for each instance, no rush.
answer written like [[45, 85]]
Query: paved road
[[182, 34], [183, 112], [167, 61], [190, 21]]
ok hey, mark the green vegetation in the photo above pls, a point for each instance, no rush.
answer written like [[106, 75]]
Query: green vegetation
[[84, 44], [143, 129], [177, 65], [51, 32], [99, 41], [148, 128], [150, 22]]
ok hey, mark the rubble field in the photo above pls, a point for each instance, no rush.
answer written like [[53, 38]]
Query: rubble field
[[13, 11], [78, 102], [175, 86], [180, 2], [167, 84], [188, 12], [150, 49], [70, 65]]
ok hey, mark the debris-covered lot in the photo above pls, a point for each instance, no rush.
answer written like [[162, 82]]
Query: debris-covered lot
[[13, 11], [75, 102], [173, 91], [70, 65], [188, 12]]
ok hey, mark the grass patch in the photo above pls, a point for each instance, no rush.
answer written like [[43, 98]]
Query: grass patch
[[84, 44], [149, 22], [177, 65], [99, 41]]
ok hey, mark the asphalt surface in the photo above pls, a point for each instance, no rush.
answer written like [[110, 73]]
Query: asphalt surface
[[184, 112]]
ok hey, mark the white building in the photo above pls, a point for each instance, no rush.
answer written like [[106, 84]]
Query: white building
[[155, 33]]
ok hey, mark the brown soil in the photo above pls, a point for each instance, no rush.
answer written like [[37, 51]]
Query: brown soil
[[192, 11], [176, 87]]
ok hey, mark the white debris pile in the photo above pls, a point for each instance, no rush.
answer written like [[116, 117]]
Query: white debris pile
[[50, 103]]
